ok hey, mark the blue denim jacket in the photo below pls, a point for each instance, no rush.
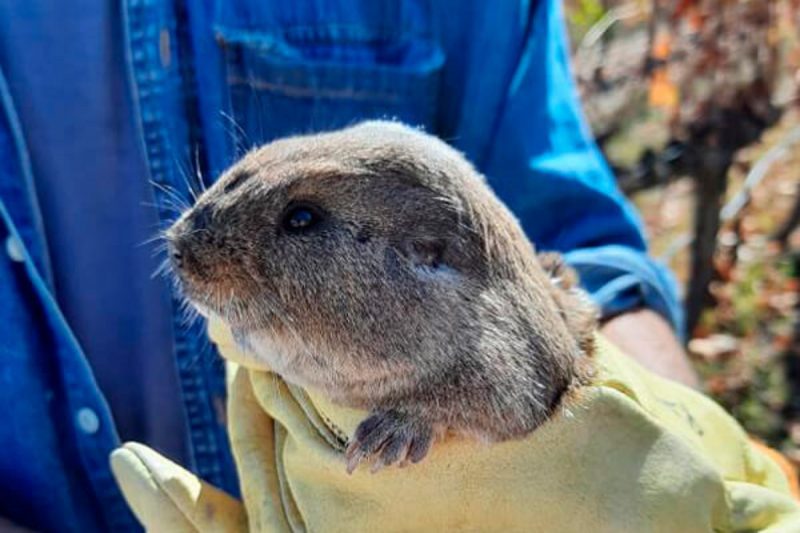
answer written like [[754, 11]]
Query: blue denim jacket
[[213, 78]]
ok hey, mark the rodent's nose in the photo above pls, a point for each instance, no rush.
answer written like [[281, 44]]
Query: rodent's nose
[[189, 240], [178, 251], [186, 250], [175, 255], [184, 256]]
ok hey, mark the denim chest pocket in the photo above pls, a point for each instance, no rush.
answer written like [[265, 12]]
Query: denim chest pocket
[[292, 68]]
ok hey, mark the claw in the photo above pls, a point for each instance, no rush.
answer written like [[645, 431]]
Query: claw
[[386, 438], [420, 445]]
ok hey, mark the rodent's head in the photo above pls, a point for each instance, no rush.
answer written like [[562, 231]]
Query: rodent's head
[[351, 258]]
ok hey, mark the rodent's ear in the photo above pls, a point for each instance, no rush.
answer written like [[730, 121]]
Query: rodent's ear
[[559, 272], [577, 310], [425, 251]]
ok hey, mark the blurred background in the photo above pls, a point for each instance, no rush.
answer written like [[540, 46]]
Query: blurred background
[[696, 105]]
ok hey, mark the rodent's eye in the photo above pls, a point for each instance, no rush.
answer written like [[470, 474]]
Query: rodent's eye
[[300, 218]]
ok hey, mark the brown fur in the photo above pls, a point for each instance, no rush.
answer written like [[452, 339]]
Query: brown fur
[[416, 296]]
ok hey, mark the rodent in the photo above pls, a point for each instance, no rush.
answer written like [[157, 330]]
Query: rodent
[[375, 265]]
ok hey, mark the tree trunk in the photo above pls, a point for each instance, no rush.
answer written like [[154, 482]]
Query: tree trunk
[[710, 183]]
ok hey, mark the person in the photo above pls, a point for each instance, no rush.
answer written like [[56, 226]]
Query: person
[[112, 115]]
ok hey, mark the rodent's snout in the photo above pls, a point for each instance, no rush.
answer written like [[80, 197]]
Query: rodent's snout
[[176, 253], [185, 240], [181, 254], [208, 259]]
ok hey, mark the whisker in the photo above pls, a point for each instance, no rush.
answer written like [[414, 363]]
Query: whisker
[[155, 238], [159, 249], [171, 207], [241, 141], [201, 183], [163, 269], [172, 195], [184, 173]]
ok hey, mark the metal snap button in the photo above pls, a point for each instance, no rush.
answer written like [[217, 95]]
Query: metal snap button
[[14, 249], [87, 419]]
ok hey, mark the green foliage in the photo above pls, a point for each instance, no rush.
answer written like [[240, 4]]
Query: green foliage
[[746, 300], [759, 406], [582, 14]]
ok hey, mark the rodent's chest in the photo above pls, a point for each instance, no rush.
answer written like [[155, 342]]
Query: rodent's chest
[[340, 377]]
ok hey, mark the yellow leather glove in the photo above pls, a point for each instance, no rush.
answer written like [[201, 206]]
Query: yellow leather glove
[[166, 497], [634, 453]]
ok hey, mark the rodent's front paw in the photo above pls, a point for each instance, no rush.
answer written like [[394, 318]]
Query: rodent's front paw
[[389, 437]]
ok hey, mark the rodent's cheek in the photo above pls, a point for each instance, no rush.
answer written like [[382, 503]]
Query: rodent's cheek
[[245, 358], [222, 336], [269, 354]]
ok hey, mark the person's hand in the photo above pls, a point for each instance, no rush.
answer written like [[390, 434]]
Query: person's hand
[[166, 497], [643, 451]]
